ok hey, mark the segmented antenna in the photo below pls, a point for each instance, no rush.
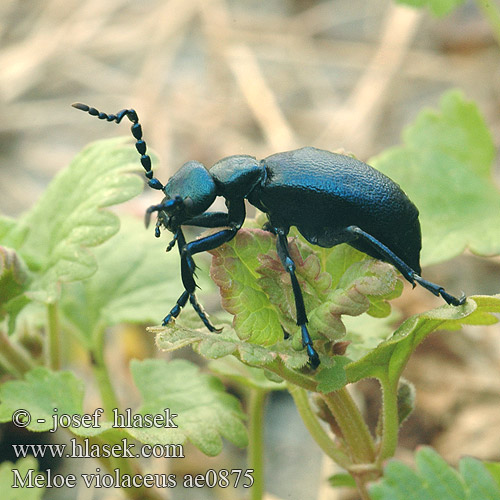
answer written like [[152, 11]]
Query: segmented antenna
[[136, 129]]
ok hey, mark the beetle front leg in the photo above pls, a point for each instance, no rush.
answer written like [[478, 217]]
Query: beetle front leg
[[187, 274], [176, 310], [289, 265], [234, 219], [389, 256]]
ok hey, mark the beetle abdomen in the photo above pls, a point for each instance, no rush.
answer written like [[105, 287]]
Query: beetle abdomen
[[323, 193]]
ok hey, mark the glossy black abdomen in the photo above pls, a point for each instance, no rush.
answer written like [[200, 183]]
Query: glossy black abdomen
[[323, 193]]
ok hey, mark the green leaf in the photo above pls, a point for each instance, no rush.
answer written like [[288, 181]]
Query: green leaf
[[44, 393], [365, 332], [332, 378], [205, 412], [494, 470], [405, 399], [14, 281], [7, 480], [234, 270], [437, 7], [480, 483], [337, 281], [136, 282], [342, 481], [441, 479], [70, 217], [389, 358], [445, 166], [12, 234], [214, 346], [434, 478]]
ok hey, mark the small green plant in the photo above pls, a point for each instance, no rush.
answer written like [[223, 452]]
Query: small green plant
[[53, 286], [347, 295]]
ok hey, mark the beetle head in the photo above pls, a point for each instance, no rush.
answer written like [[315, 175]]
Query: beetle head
[[189, 192]]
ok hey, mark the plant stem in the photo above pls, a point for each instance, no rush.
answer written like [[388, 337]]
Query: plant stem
[[292, 376], [354, 429], [256, 441], [362, 490], [101, 372], [53, 341], [13, 357], [492, 13], [315, 428], [109, 402], [390, 419]]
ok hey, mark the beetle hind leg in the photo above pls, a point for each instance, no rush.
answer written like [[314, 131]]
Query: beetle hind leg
[[389, 256], [289, 265]]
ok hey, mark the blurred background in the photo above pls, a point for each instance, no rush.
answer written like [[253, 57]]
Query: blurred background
[[212, 78]]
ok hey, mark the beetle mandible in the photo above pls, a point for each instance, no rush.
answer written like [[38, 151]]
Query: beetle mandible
[[330, 198]]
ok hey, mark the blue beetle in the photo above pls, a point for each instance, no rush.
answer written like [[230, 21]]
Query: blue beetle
[[330, 198]]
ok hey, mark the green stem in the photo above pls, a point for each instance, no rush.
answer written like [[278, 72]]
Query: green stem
[[101, 372], [256, 441], [362, 489], [109, 402], [292, 376], [53, 342], [390, 420], [492, 13], [315, 428], [13, 357], [354, 429]]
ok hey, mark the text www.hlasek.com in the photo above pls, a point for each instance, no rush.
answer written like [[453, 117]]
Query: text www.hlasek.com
[[85, 449]]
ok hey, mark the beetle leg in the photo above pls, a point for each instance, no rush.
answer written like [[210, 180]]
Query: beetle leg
[[187, 273], [234, 219], [439, 290], [389, 256], [269, 228], [188, 267], [209, 219], [289, 265], [176, 310]]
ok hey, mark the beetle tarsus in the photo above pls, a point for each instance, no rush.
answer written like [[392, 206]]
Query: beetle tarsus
[[172, 243], [440, 291], [202, 314], [308, 344], [176, 310]]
